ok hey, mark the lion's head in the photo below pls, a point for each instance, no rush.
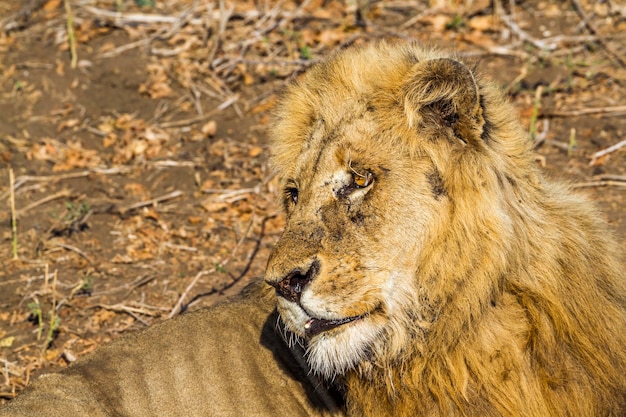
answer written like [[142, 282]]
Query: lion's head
[[392, 176]]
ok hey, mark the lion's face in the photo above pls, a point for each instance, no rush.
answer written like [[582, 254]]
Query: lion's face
[[346, 262], [380, 151]]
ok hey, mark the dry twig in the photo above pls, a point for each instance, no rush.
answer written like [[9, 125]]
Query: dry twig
[[592, 29], [74, 249], [23, 179], [169, 196], [176, 309], [586, 111], [13, 214], [525, 37], [600, 183], [606, 151], [61, 194]]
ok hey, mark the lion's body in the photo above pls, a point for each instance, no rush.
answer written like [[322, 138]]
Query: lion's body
[[426, 261], [225, 361]]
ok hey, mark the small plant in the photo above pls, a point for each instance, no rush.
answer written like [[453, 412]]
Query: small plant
[[572, 145], [456, 23], [305, 52], [535, 114], [53, 329], [17, 87], [145, 3], [75, 212], [86, 285], [71, 37], [36, 316]]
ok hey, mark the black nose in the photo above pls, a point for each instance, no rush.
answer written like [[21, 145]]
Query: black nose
[[292, 286]]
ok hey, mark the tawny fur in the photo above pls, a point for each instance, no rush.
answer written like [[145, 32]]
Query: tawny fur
[[226, 361], [483, 288]]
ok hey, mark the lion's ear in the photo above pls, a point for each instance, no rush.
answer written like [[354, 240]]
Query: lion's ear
[[442, 93]]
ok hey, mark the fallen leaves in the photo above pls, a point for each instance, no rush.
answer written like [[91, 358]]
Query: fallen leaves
[[157, 84]]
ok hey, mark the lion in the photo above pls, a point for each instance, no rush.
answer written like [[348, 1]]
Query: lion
[[427, 268], [426, 262]]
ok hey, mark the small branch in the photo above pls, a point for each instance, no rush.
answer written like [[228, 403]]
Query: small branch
[[130, 18], [582, 112], [75, 249], [123, 308], [187, 122], [131, 311], [557, 144], [61, 194], [167, 163], [592, 29], [600, 183], [611, 177], [19, 20], [23, 179], [525, 37], [13, 214], [606, 151], [540, 138], [176, 309], [170, 196]]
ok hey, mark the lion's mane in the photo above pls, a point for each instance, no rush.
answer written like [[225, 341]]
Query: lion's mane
[[517, 304]]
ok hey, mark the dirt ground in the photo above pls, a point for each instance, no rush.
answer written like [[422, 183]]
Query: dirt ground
[[133, 139]]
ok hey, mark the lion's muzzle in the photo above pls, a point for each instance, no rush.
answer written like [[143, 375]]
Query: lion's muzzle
[[294, 283]]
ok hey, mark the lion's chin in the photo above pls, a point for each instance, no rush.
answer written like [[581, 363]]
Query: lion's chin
[[334, 352], [333, 346]]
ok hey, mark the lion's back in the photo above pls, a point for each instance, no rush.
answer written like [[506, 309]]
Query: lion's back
[[227, 360]]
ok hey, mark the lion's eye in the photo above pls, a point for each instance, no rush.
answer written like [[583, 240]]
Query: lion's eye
[[292, 194], [362, 180]]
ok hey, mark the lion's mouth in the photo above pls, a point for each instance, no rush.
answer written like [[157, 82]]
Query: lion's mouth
[[316, 326]]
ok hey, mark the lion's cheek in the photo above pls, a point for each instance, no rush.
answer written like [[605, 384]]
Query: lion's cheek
[[347, 294]]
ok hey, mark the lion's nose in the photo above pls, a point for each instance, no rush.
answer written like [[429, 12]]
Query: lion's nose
[[294, 283]]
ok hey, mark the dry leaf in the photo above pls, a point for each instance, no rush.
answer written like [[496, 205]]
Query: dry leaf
[[150, 213], [51, 355], [255, 151], [109, 140], [7, 341], [102, 316], [51, 5], [482, 23], [122, 259], [209, 128], [137, 189], [67, 124], [438, 21], [213, 206], [194, 220]]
